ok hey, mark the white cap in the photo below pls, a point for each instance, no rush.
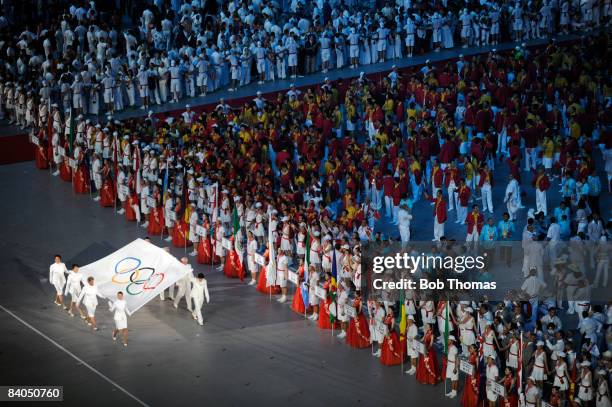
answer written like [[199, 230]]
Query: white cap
[[451, 338]]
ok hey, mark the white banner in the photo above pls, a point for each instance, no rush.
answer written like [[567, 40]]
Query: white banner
[[419, 347], [293, 277], [124, 190], [259, 259], [321, 292], [151, 203], [466, 367], [350, 311], [72, 163], [200, 230], [35, 140], [227, 244], [172, 216], [140, 270], [61, 151], [496, 388]]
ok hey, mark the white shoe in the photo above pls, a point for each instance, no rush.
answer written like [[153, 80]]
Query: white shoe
[[56, 173], [96, 199], [315, 317], [168, 239], [121, 211], [175, 306], [378, 353], [71, 314], [201, 323], [220, 268], [114, 338], [411, 371], [252, 282], [146, 224], [452, 394], [282, 299], [341, 335], [193, 253], [260, 82]]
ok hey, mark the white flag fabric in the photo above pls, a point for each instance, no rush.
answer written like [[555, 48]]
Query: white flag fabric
[[140, 270]]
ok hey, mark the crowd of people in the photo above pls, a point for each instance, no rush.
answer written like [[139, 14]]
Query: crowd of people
[[94, 58], [300, 183]]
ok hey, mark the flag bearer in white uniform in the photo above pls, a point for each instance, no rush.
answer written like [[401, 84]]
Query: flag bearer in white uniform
[[184, 287], [251, 250], [412, 333], [73, 287], [532, 393], [57, 279], [342, 302], [492, 373], [199, 291], [452, 367], [89, 297], [282, 273], [193, 221], [120, 317]]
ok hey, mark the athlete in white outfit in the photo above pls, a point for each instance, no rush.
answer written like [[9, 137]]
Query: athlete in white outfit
[[199, 291], [184, 287], [74, 284], [120, 317], [88, 296], [57, 279]]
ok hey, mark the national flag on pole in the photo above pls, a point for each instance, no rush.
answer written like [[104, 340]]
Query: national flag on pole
[[71, 135], [215, 211], [137, 170], [520, 368], [304, 286], [235, 221], [271, 268], [403, 322], [446, 329], [165, 184], [334, 271]]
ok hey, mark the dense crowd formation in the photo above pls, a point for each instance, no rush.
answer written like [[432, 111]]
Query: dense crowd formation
[[93, 58], [303, 181]]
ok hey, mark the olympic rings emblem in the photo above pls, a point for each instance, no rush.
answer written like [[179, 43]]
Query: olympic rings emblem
[[140, 278]]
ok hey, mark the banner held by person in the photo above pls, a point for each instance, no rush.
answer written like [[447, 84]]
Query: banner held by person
[[140, 270]]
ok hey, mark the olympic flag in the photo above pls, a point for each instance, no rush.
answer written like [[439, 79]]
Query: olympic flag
[[140, 270]]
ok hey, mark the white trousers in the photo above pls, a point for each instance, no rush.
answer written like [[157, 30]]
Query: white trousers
[[541, 201], [438, 229], [462, 213], [183, 292], [487, 198], [197, 309]]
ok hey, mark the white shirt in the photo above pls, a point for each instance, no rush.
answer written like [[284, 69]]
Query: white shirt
[[533, 285], [199, 290], [56, 273], [118, 308]]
